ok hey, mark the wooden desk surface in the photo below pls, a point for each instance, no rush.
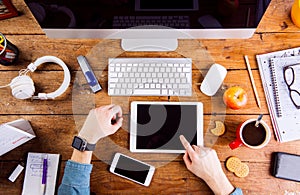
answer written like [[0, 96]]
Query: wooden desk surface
[[56, 122]]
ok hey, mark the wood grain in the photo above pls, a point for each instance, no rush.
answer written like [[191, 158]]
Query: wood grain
[[79, 99], [277, 18], [167, 180], [25, 23], [56, 122]]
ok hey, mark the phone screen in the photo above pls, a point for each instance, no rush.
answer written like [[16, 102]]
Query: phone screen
[[132, 169], [286, 166]]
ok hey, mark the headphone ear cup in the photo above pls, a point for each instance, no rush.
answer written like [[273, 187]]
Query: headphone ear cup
[[22, 87]]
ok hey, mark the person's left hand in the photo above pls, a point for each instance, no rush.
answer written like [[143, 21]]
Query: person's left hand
[[101, 122]]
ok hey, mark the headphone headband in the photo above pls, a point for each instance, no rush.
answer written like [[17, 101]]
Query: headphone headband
[[67, 77]]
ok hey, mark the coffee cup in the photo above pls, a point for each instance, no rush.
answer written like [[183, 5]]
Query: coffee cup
[[251, 135]]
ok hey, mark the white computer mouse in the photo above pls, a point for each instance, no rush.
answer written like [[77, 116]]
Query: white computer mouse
[[213, 79]]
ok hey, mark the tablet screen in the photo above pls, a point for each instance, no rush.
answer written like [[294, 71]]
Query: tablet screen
[[159, 126]]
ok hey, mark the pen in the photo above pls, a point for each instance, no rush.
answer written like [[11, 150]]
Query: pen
[[44, 175], [252, 81]]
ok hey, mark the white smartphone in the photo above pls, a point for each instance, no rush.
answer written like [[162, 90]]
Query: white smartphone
[[132, 169]]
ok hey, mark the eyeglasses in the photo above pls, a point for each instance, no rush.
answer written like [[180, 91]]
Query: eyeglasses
[[289, 78]]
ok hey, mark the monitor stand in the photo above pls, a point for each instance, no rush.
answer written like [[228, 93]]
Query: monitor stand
[[149, 44]]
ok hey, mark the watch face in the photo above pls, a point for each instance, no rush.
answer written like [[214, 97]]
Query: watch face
[[77, 143]]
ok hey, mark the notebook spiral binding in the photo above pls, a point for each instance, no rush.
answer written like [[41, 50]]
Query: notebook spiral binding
[[275, 90]]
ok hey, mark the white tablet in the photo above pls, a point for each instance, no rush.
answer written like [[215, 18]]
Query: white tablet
[[155, 126]]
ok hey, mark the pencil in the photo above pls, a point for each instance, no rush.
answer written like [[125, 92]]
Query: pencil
[[252, 80]]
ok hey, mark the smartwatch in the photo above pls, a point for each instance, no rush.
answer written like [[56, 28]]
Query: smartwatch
[[82, 145]]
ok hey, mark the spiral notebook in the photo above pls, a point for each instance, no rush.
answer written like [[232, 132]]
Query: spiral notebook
[[284, 115], [33, 175]]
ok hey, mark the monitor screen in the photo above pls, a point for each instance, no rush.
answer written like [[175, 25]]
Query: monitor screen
[[110, 14], [107, 18]]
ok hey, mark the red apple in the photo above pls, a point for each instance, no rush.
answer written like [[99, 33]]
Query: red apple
[[235, 97]]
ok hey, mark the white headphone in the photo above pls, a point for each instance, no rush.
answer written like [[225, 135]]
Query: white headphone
[[22, 86]]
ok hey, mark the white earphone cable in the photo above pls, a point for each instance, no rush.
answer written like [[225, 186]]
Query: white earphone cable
[[21, 72], [4, 86]]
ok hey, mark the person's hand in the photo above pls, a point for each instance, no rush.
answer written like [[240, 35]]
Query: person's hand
[[201, 161], [204, 163], [101, 122]]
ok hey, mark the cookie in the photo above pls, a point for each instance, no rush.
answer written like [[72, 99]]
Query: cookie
[[219, 129], [233, 164], [243, 171]]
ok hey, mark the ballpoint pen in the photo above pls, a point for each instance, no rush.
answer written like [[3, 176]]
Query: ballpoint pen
[[44, 175]]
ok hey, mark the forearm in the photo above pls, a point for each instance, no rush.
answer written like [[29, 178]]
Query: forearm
[[220, 185], [82, 157]]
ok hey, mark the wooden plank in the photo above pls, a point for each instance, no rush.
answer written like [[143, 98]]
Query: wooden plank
[[277, 18], [79, 99], [25, 23], [55, 124], [55, 134], [229, 52], [172, 178]]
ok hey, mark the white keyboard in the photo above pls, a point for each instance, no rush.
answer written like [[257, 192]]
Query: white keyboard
[[150, 77]]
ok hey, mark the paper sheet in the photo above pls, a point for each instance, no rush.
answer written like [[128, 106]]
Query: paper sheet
[[286, 127], [33, 174]]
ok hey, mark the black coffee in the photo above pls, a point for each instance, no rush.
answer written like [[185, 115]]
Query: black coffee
[[254, 136]]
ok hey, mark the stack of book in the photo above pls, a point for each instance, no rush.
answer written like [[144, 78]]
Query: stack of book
[[280, 75]]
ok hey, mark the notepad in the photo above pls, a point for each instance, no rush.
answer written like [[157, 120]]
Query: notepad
[[284, 115], [14, 134], [33, 174]]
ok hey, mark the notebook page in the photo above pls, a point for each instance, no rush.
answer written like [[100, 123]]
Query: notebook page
[[289, 123], [287, 106], [33, 174], [264, 63]]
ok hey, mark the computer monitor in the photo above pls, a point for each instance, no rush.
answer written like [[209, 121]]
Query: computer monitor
[[148, 24]]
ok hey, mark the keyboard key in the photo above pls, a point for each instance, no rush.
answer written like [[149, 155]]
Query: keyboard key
[[146, 92]]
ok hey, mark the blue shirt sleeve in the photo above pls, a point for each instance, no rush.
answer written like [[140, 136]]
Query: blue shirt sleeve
[[237, 191], [76, 179]]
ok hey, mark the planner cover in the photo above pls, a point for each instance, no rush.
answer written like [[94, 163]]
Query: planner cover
[[14, 134], [285, 119]]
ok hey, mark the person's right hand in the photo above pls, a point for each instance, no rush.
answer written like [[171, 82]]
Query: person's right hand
[[101, 122], [204, 163], [201, 161]]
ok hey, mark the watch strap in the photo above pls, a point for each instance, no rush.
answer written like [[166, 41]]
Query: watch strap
[[82, 145], [90, 147]]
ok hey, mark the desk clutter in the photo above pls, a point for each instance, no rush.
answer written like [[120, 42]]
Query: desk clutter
[[274, 32], [280, 75], [38, 166]]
